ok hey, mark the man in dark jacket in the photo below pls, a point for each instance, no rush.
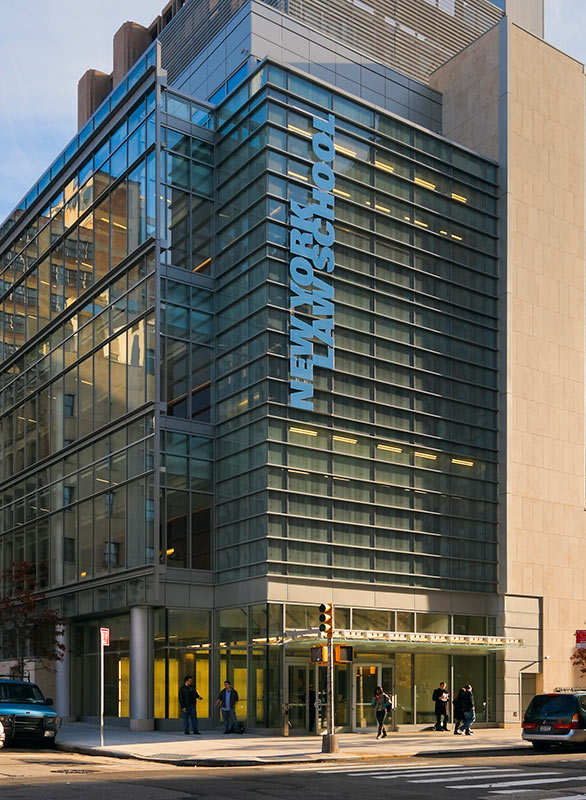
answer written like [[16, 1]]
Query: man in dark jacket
[[441, 698], [468, 709], [188, 697], [227, 700]]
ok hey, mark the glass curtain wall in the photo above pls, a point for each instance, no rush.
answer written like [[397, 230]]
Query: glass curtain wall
[[392, 478], [186, 337], [77, 330]]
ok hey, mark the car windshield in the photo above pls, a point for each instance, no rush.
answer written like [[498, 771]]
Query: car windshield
[[545, 705], [20, 693]]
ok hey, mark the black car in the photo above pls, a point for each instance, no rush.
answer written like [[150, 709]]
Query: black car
[[556, 718]]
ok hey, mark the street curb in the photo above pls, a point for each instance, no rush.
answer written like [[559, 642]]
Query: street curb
[[317, 758]]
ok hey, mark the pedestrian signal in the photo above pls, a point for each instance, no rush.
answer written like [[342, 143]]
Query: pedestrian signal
[[326, 619], [343, 654], [319, 654]]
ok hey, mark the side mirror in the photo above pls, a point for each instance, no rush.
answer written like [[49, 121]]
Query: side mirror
[[49, 701]]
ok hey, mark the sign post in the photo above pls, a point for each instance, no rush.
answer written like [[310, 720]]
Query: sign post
[[104, 642]]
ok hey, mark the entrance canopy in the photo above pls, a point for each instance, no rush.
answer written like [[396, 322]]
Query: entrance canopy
[[384, 641]]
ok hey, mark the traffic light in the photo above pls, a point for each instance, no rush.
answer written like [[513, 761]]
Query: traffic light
[[343, 654], [326, 619], [319, 654]]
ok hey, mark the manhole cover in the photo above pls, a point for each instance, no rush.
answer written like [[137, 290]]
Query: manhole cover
[[74, 771], [172, 756]]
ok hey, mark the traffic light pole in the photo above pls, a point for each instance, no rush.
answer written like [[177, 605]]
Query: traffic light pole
[[330, 740]]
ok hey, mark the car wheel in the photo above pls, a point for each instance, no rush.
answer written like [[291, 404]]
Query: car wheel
[[541, 745]]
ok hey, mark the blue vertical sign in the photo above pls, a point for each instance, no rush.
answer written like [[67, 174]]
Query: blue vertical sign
[[311, 254]]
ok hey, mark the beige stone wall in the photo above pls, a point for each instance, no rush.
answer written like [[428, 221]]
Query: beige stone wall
[[515, 98]]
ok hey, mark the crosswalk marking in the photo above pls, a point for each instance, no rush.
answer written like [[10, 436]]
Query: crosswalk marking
[[501, 780], [411, 771], [445, 775], [321, 768], [575, 778], [503, 773]]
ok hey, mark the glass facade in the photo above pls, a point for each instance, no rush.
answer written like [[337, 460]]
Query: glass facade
[[78, 377], [392, 477], [148, 446]]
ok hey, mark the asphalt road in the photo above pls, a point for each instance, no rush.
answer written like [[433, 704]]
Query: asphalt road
[[27, 774]]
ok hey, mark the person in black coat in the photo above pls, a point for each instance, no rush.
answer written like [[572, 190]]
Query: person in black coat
[[441, 699], [188, 698], [458, 711], [468, 709]]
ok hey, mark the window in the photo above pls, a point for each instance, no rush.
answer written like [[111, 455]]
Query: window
[[69, 405]]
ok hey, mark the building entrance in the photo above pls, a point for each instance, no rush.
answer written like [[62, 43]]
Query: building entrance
[[305, 693], [354, 685], [366, 677]]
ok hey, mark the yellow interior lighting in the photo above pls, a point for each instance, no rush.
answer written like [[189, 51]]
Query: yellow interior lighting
[[463, 462], [170, 551], [344, 439], [202, 265], [459, 197], [304, 431], [382, 165], [295, 129], [456, 237], [341, 192], [345, 151], [430, 456], [382, 208], [390, 447], [341, 479], [426, 184], [422, 224], [298, 471], [297, 175]]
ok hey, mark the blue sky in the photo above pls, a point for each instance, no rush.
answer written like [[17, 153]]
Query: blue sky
[[48, 46]]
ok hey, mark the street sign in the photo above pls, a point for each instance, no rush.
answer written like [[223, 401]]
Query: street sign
[[105, 634], [580, 638]]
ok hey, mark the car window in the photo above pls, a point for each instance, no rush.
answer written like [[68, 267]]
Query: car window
[[547, 705], [582, 700], [20, 693]]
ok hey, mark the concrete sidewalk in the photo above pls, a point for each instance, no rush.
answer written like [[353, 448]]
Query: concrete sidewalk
[[212, 748]]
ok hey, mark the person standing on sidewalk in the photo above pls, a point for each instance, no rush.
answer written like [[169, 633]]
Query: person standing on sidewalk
[[441, 698], [381, 703], [188, 698], [458, 712], [227, 700], [468, 709]]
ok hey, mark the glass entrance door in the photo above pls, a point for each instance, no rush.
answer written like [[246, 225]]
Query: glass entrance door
[[298, 696], [366, 678], [306, 694]]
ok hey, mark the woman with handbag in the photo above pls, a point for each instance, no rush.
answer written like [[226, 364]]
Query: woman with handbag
[[381, 703]]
